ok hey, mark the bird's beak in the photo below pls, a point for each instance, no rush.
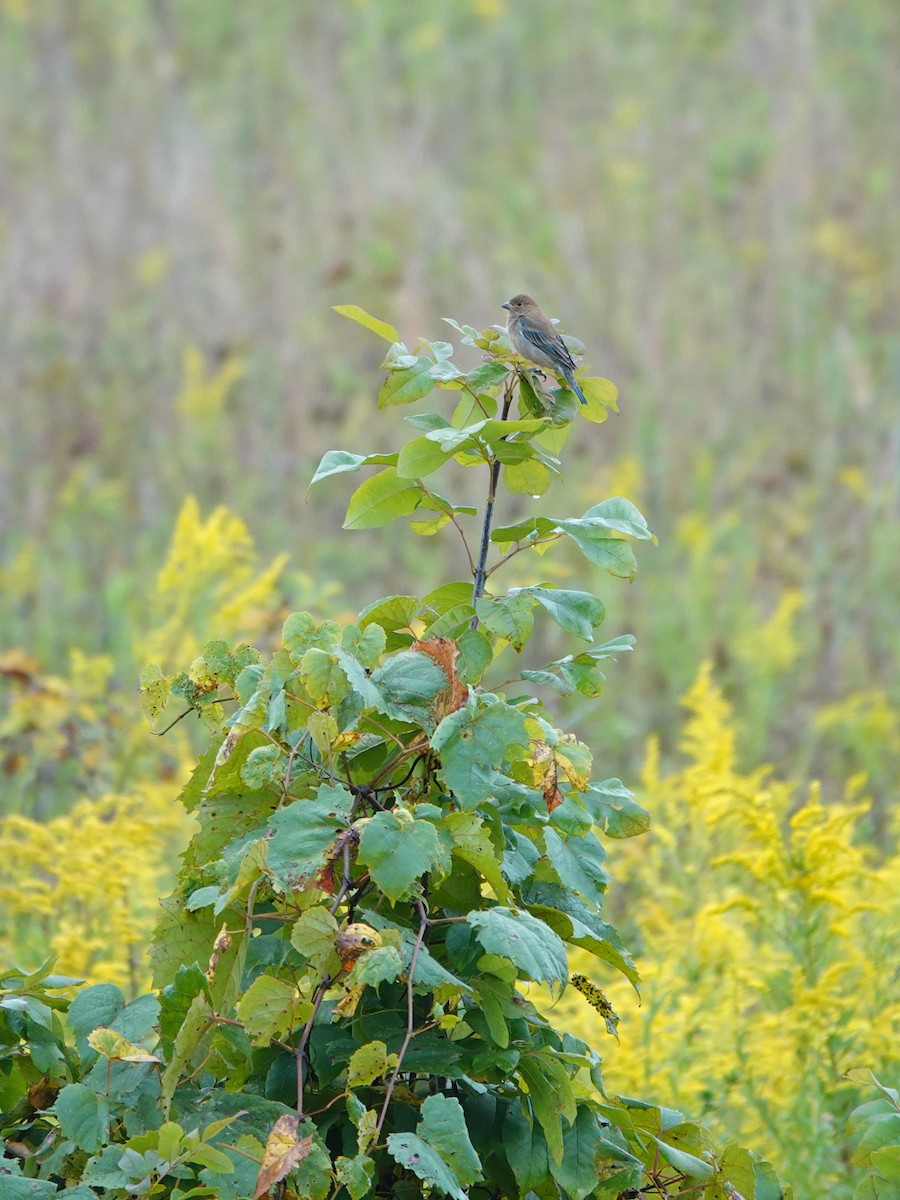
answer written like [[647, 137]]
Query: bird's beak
[[506, 306]]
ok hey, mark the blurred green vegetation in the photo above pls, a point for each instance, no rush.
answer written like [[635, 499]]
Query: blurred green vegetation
[[705, 192]]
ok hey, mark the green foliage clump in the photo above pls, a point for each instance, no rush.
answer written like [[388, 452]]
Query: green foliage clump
[[391, 847]]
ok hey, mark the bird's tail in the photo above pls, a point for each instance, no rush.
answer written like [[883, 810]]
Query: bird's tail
[[573, 384]]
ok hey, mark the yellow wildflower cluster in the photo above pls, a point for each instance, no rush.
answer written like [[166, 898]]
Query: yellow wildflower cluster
[[85, 886], [204, 392], [764, 928], [210, 580]]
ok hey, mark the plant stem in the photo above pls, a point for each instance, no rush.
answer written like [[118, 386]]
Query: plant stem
[[410, 1023], [481, 572]]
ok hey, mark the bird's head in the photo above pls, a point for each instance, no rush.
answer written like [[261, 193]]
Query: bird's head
[[520, 305]]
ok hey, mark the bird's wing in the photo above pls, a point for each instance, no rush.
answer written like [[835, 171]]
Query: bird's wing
[[549, 343]]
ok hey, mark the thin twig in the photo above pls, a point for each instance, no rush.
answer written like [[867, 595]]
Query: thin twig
[[481, 569], [519, 549], [410, 1023]]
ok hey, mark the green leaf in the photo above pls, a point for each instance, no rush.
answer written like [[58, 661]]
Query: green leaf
[[355, 313], [527, 478], [611, 554], [487, 374], [420, 457], [313, 935], [526, 1150], [154, 692], [408, 384], [301, 633], [472, 843], [579, 864], [615, 811], [97, 1005], [576, 612], [83, 1116], [408, 683], [510, 617], [417, 1156], [551, 1097], [264, 765], [529, 943], [688, 1164], [355, 1174], [577, 1173], [601, 394], [368, 1063], [381, 965], [476, 653], [269, 1008], [617, 514], [304, 832], [337, 462], [443, 1126], [380, 500], [399, 851], [391, 613], [475, 740]]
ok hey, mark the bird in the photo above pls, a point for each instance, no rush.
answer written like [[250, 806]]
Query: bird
[[536, 338]]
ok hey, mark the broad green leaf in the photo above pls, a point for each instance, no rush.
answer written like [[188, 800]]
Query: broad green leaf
[[578, 863], [337, 462], [601, 394], [476, 653], [522, 531], [189, 1042], [301, 632], [551, 1095], [526, 1150], [472, 843], [408, 683], [443, 1126], [269, 1008], [313, 934], [355, 1174], [527, 478], [528, 942], [398, 850], [510, 617], [392, 613], [265, 765], [688, 1164], [154, 692], [323, 729], [420, 457], [355, 313], [83, 1116], [577, 1173], [303, 833], [615, 811], [473, 741], [611, 554], [408, 384], [368, 1063], [487, 374], [322, 676], [380, 500], [736, 1166], [96, 1005], [417, 1156], [490, 992], [367, 646], [429, 528], [576, 612], [617, 514], [381, 965]]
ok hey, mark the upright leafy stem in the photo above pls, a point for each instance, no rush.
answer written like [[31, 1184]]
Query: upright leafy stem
[[387, 853]]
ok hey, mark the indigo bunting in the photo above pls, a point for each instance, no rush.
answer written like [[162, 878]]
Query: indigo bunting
[[535, 337]]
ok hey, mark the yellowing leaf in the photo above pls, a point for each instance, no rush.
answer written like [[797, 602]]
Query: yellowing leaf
[[113, 1046], [283, 1152], [355, 313]]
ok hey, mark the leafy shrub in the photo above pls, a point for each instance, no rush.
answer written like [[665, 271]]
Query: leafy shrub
[[389, 849]]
